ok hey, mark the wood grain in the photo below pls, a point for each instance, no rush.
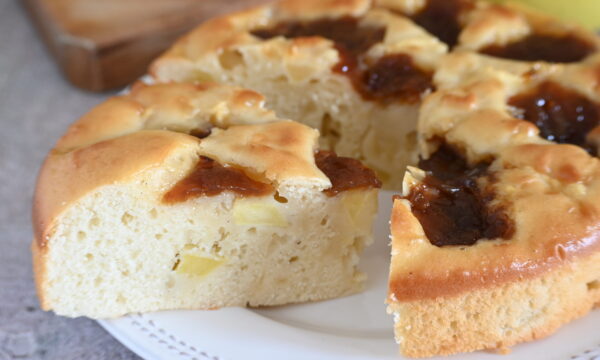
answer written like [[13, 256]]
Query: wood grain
[[106, 44]]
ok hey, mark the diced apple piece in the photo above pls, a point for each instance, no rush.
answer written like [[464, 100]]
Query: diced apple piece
[[360, 205], [195, 265], [258, 212]]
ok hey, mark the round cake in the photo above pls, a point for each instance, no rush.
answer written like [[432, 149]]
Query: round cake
[[482, 117]]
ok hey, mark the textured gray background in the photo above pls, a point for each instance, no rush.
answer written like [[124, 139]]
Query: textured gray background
[[36, 105]]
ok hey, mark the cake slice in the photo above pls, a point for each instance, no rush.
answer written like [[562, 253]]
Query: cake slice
[[189, 196], [495, 237], [354, 71]]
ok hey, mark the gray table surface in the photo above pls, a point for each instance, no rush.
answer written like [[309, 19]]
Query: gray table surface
[[36, 105]]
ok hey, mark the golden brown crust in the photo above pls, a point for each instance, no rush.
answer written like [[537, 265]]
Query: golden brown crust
[[38, 254], [166, 107], [501, 316]]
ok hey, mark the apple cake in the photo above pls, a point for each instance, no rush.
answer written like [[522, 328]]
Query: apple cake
[[190, 195], [183, 196], [495, 238]]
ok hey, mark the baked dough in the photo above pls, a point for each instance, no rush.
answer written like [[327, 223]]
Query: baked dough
[[498, 292], [538, 198], [115, 233], [297, 75]]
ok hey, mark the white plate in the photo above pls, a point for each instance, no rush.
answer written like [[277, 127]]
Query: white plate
[[354, 327]]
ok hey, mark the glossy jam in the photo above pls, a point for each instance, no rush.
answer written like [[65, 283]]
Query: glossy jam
[[554, 49], [451, 204], [209, 178], [345, 173], [441, 18], [391, 78], [561, 114], [345, 32]]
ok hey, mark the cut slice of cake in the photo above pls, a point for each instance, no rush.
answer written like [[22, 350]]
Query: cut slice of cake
[[496, 236], [189, 196], [355, 72]]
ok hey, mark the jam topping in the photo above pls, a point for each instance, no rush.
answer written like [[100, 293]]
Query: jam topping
[[452, 205], [209, 178], [561, 114], [391, 78], [537, 47], [345, 32], [441, 18], [345, 173]]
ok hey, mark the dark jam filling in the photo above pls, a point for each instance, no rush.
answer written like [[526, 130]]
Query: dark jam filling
[[391, 78], [441, 18], [346, 32], [554, 49], [345, 173], [451, 205], [561, 114], [209, 178]]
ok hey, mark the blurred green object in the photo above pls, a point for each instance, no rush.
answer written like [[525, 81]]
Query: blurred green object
[[584, 12]]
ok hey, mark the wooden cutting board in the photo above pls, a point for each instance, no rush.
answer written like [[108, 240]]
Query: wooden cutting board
[[107, 44]]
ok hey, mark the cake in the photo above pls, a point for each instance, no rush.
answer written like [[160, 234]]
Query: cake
[[185, 196], [494, 231], [495, 238], [354, 71]]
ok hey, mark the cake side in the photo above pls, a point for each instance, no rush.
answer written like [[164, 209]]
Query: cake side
[[499, 316]]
